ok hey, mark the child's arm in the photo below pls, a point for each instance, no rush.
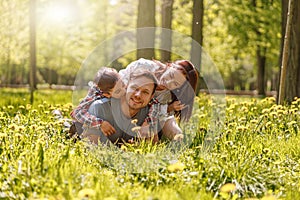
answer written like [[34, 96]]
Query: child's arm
[[175, 106], [81, 114]]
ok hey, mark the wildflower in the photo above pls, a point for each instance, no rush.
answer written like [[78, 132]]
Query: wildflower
[[273, 114], [110, 198], [228, 187], [86, 193], [178, 166], [134, 121], [136, 129], [253, 121], [271, 99], [241, 128], [202, 116], [138, 151], [10, 107], [266, 110], [3, 135], [124, 148], [268, 124], [21, 128], [291, 123], [268, 197], [244, 109], [178, 137], [28, 106], [21, 107], [13, 127]]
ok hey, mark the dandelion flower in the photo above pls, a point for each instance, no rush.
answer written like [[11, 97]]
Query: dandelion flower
[[269, 197], [124, 148], [110, 198], [178, 137], [134, 121], [178, 166], [228, 187], [86, 193], [136, 129], [21, 107]]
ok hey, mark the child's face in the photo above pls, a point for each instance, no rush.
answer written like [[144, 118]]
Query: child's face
[[118, 90]]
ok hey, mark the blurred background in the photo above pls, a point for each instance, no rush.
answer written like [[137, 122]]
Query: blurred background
[[48, 40]]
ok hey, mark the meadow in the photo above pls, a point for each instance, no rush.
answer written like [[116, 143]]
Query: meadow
[[252, 152]]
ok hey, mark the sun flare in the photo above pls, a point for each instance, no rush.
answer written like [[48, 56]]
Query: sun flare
[[58, 13]]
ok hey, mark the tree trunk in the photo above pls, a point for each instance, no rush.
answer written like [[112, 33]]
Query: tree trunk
[[32, 49], [146, 36], [261, 64], [166, 36], [292, 82], [197, 35]]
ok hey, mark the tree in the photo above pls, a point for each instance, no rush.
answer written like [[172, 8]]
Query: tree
[[32, 48], [292, 82], [197, 35], [254, 27], [146, 37], [166, 36]]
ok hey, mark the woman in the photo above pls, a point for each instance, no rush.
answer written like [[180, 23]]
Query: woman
[[175, 93]]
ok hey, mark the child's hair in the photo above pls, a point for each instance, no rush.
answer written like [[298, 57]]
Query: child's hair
[[106, 78]]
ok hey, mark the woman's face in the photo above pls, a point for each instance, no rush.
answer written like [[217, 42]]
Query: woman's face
[[172, 78]]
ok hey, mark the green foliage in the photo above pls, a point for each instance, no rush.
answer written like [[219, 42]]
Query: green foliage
[[255, 154]]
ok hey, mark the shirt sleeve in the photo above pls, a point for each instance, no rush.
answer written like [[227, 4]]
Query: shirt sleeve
[[81, 114]]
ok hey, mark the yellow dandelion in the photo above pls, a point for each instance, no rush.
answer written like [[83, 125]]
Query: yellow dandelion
[[268, 124], [271, 99], [134, 121], [10, 107], [28, 106], [291, 123], [136, 129], [241, 128], [266, 110], [124, 148], [12, 126], [253, 121], [228, 187], [3, 135], [178, 137], [268, 197], [178, 166], [138, 151], [86, 193], [110, 198], [21, 107], [202, 116]]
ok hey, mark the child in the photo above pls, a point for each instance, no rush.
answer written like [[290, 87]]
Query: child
[[107, 83]]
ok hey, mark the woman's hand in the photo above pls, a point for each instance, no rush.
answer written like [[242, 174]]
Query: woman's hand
[[175, 106], [107, 129]]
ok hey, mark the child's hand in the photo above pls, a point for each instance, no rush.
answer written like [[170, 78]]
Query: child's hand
[[107, 129], [144, 131], [175, 106]]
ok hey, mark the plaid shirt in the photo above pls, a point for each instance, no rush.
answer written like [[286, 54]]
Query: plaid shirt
[[81, 114], [152, 116]]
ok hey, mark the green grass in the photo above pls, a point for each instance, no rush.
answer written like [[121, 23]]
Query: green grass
[[255, 151]]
